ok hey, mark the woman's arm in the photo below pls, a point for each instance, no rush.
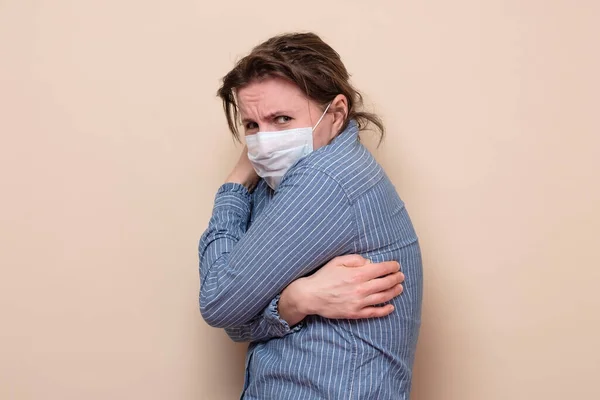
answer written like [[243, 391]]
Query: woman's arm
[[346, 287], [309, 221]]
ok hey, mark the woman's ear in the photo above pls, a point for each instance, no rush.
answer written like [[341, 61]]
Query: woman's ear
[[339, 110]]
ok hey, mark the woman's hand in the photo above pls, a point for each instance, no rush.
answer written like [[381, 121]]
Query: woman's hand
[[346, 287], [243, 172]]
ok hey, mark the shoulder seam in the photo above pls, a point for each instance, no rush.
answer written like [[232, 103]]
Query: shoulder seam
[[312, 167]]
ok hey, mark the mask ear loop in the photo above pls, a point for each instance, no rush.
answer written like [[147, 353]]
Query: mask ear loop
[[322, 116]]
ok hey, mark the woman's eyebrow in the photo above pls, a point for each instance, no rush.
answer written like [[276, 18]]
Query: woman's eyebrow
[[269, 116], [278, 113]]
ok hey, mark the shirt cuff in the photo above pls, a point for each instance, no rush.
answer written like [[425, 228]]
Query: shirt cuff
[[234, 195], [271, 315]]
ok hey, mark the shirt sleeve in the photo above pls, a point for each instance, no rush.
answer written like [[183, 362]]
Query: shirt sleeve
[[267, 325], [231, 216], [308, 222]]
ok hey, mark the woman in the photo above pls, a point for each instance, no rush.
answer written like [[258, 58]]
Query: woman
[[304, 192]]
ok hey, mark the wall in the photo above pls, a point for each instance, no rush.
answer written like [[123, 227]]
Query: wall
[[113, 145]]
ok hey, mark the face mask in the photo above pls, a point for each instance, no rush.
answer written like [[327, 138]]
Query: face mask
[[273, 153]]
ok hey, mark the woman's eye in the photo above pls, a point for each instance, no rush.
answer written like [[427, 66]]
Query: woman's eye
[[251, 125], [282, 119]]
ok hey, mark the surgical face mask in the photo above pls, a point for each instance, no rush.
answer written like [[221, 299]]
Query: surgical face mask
[[273, 153]]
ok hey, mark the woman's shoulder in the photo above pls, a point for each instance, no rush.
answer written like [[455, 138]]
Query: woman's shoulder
[[354, 168]]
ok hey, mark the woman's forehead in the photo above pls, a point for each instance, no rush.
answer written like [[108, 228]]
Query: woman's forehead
[[268, 94]]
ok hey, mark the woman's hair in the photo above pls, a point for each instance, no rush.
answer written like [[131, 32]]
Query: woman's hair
[[305, 60]]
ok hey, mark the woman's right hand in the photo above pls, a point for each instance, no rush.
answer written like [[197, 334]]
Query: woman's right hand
[[346, 287], [243, 172]]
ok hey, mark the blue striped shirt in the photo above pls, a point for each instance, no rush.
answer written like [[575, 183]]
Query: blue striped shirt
[[335, 201]]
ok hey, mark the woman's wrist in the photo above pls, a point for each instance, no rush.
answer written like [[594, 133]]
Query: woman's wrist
[[293, 303]]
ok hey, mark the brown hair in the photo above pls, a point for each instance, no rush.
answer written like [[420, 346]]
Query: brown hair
[[303, 59]]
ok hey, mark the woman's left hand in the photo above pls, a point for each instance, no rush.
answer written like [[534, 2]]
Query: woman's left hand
[[243, 172], [347, 287]]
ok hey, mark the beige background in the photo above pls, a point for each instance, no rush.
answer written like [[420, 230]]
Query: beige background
[[113, 144]]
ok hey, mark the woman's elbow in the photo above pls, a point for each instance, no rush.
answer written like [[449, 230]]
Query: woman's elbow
[[219, 313], [211, 314]]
